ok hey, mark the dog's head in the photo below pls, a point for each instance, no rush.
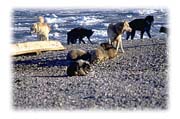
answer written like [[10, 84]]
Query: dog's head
[[41, 19], [121, 27], [163, 29], [149, 19], [84, 65], [126, 27]]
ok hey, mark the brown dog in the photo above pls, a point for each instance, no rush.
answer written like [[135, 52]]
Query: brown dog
[[115, 32], [104, 52], [109, 50], [41, 29], [77, 54]]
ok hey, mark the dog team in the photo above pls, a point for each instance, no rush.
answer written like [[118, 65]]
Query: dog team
[[82, 60]]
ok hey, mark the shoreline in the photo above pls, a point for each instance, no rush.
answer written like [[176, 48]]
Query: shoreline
[[136, 79]]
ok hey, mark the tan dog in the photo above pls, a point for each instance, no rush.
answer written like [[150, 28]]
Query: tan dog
[[104, 52], [115, 32], [41, 29], [109, 50]]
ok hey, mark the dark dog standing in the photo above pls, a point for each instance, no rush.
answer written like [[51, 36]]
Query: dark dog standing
[[143, 25], [79, 33]]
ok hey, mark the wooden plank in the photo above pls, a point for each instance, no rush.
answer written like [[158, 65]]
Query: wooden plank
[[36, 47]]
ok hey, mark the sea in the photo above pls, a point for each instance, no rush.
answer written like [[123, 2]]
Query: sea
[[62, 21]]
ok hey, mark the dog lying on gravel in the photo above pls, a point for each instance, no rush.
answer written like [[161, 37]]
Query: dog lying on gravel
[[143, 25], [41, 29], [77, 54], [115, 32], [104, 52], [79, 68]]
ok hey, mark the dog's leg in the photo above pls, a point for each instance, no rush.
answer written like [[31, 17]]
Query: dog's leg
[[81, 39], [117, 45], [109, 40], [133, 34], [89, 40], [148, 33], [142, 33], [41, 38], [127, 35], [120, 43], [117, 40], [68, 41], [47, 38], [38, 37]]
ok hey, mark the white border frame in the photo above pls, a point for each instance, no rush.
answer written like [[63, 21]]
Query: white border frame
[[6, 109]]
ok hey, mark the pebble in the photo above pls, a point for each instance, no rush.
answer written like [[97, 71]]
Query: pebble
[[135, 80]]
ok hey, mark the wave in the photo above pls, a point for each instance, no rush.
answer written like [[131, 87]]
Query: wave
[[88, 20], [62, 21], [144, 11], [52, 20], [16, 29]]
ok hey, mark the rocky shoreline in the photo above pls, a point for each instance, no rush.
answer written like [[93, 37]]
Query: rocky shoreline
[[137, 79]]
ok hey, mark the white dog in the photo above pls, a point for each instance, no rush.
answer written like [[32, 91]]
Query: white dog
[[115, 32], [41, 29]]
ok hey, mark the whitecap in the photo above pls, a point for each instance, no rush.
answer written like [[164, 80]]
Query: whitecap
[[145, 11], [55, 26], [47, 14], [56, 34], [106, 24], [21, 28], [129, 16], [102, 33], [54, 15], [89, 20], [52, 20], [19, 24]]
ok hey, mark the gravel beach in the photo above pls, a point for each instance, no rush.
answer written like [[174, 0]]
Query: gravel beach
[[135, 80]]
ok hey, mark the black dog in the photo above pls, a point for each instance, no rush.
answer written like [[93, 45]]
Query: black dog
[[163, 30], [143, 25], [78, 33]]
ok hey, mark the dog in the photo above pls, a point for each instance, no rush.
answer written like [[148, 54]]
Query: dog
[[104, 52], [77, 54], [115, 32], [79, 33], [79, 68], [164, 30], [142, 25], [109, 50], [41, 29]]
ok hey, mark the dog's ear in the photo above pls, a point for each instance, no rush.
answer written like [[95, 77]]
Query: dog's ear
[[125, 22]]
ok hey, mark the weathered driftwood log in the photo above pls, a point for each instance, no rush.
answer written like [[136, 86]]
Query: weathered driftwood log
[[36, 47]]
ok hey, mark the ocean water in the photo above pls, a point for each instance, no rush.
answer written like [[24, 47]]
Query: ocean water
[[63, 20]]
